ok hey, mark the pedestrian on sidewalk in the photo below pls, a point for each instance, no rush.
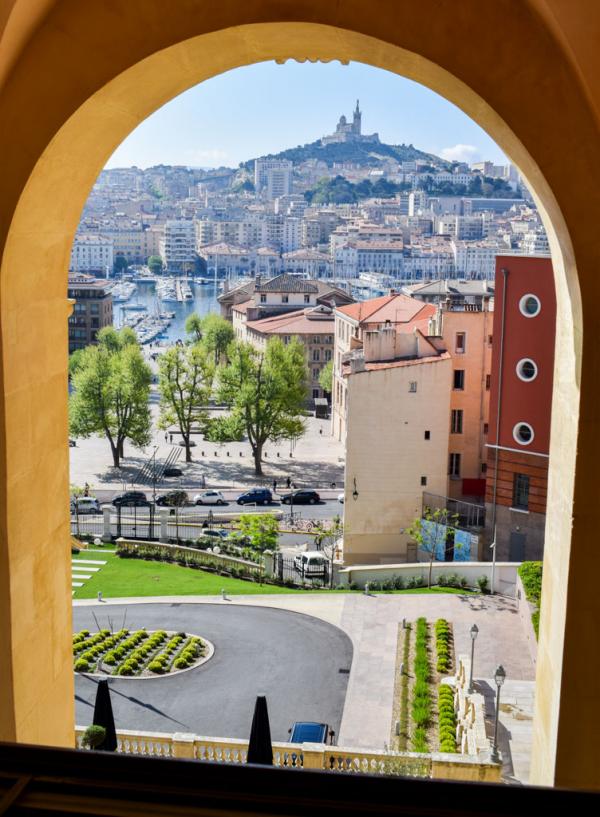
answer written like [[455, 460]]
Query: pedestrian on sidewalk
[[288, 482], [171, 439], [166, 437], [320, 431], [203, 481], [274, 486], [86, 490]]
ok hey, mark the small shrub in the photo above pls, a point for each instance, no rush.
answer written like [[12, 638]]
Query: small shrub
[[482, 583], [442, 580], [374, 586], [464, 582], [93, 736], [180, 663], [82, 665], [399, 583], [419, 741], [156, 666]]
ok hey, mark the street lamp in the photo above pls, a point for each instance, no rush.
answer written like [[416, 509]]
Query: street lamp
[[499, 678], [474, 631]]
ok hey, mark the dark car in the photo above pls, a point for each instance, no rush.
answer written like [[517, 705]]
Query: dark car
[[173, 499], [130, 499], [256, 496], [173, 472], [301, 497], [310, 732]]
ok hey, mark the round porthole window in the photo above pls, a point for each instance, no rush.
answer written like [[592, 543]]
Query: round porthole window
[[523, 433], [530, 305], [527, 369]]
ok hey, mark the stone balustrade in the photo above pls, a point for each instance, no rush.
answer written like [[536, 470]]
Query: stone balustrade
[[470, 713], [307, 755]]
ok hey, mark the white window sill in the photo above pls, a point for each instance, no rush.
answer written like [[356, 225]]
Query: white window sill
[[518, 510]]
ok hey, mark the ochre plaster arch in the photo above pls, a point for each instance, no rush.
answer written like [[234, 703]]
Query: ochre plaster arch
[[67, 103]]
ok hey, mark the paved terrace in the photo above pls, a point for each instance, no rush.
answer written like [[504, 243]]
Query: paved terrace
[[372, 623], [316, 458]]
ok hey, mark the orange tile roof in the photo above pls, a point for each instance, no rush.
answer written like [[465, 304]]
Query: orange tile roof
[[294, 323], [401, 310]]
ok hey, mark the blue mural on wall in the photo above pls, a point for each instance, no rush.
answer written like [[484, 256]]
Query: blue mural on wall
[[434, 538]]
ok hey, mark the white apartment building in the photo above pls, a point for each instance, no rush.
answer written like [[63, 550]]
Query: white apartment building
[[178, 245], [273, 177], [474, 259], [427, 261], [92, 253], [308, 263], [292, 234], [536, 243], [465, 228]]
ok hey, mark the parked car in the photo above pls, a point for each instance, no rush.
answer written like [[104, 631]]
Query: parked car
[[85, 504], [310, 732], [341, 498], [173, 472], [301, 497], [311, 563], [173, 499], [210, 498], [130, 499], [255, 496], [217, 533]]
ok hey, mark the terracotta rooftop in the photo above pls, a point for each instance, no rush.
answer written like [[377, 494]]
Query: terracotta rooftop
[[299, 322], [398, 309], [397, 364]]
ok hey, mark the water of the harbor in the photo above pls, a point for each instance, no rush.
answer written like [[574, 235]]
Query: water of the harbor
[[205, 301]]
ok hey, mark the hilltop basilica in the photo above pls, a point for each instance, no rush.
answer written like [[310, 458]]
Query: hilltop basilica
[[350, 131]]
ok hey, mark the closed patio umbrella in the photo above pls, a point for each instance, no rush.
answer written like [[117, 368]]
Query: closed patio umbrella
[[260, 749], [103, 716]]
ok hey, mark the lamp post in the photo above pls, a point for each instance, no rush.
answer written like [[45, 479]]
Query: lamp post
[[499, 678], [474, 631]]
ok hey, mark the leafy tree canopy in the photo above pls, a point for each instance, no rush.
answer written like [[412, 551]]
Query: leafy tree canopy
[[266, 392], [111, 390], [155, 264], [185, 381], [259, 530], [326, 377]]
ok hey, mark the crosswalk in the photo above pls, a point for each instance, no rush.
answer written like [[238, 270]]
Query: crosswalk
[[82, 570]]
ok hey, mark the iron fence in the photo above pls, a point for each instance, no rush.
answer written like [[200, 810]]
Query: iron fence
[[84, 524]]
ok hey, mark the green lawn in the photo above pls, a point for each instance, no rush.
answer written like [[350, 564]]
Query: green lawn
[[126, 578], [120, 578]]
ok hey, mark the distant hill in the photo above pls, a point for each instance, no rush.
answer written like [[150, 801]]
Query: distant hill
[[367, 154]]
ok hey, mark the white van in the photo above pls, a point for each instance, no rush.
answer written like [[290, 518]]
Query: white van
[[311, 563], [85, 504]]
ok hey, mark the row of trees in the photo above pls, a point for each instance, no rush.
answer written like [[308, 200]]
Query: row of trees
[[264, 392]]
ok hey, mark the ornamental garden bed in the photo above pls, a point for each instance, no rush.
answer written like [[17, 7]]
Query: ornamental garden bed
[[138, 653]]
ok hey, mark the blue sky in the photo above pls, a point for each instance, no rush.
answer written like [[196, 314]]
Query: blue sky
[[265, 108]]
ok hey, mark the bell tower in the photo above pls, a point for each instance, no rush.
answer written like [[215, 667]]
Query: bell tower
[[356, 124]]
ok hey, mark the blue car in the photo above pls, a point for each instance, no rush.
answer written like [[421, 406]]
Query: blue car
[[255, 496], [309, 732]]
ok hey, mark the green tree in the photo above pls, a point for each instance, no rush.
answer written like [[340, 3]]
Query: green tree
[[266, 392], [326, 538], [431, 531], [193, 327], [120, 264], [217, 333], [155, 264], [75, 359], [326, 377], [185, 379], [260, 531], [111, 387]]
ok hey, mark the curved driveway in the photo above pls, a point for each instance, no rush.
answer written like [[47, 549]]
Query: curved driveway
[[293, 659]]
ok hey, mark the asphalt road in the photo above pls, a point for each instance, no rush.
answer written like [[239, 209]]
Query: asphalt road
[[294, 660]]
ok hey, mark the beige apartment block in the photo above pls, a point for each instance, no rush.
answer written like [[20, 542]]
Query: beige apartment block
[[398, 402]]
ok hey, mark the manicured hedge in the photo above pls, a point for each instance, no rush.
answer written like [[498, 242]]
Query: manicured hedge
[[421, 699], [446, 719], [443, 645], [531, 576]]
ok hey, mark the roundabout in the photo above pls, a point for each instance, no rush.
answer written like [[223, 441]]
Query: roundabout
[[299, 662]]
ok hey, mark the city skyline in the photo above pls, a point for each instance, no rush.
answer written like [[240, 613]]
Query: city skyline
[[281, 106]]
